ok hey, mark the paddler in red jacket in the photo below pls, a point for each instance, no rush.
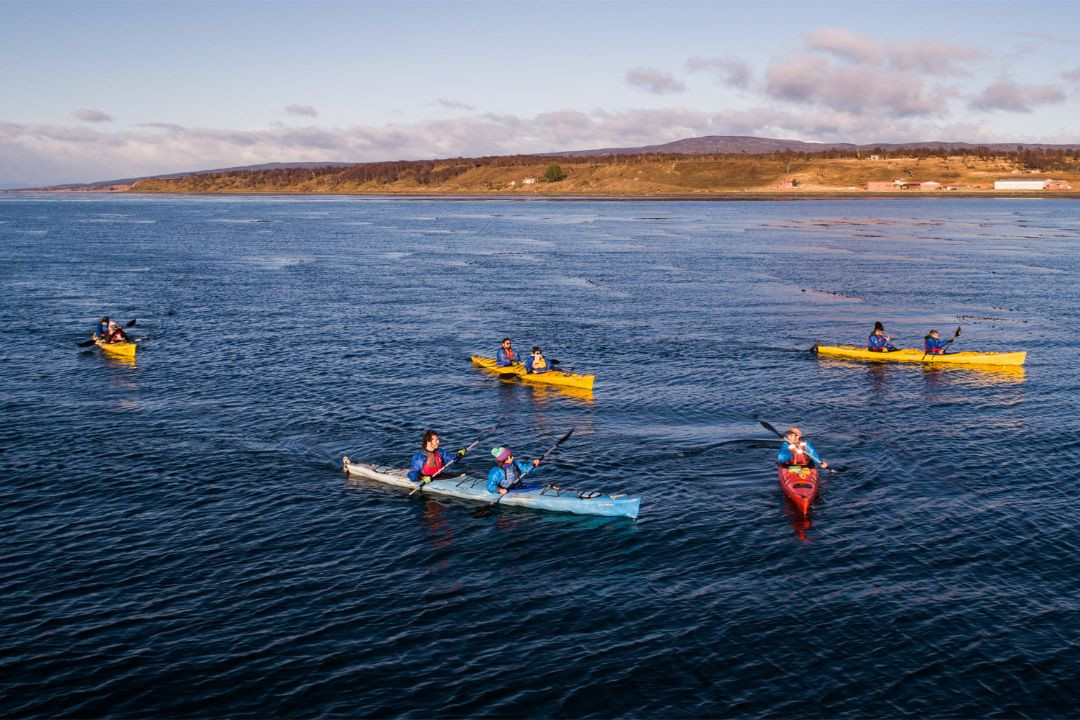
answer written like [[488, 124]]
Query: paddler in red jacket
[[429, 462], [798, 452]]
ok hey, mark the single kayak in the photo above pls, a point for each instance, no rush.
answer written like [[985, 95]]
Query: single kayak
[[120, 349], [548, 497], [800, 484], [909, 355], [551, 377]]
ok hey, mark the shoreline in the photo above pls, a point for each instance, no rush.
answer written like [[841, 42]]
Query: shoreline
[[750, 196]]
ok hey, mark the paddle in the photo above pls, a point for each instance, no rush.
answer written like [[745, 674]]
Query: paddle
[[780, 435], [419, 488], [485, 510], [955, 335]]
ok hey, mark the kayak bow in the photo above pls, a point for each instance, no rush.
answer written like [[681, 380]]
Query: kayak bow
[[800, 484], [120, 349]]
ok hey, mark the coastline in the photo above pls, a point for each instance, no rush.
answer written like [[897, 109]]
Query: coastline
[[752, 196]]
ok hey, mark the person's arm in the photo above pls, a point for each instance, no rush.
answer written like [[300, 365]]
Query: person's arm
[[814, 455], [495, 477], [416, 466], [784, 455]]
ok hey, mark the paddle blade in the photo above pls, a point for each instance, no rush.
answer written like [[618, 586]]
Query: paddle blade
[[771, 429], [131, 323], [86, 343], [482, 511]]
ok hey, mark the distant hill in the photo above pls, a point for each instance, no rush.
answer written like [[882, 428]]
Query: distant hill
[[721, 144], [711, 145], [734, 144], [106, 184]]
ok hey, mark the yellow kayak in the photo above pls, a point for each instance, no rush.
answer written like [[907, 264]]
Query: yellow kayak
[[551, 377], [909, 355], [119, 349]]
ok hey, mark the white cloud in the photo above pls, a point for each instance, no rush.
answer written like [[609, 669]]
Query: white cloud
[[814, 80], [453, 104], [306, 110], [1010, 96], [90, 115], [654, 81], [727, 71], [845, 45]]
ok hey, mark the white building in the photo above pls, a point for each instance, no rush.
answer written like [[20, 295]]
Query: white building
[[1021, 184]]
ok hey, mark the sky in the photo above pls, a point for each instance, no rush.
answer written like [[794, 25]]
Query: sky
[[102, 90]]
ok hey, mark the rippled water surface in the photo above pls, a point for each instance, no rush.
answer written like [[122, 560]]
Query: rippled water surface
[[178, 538]]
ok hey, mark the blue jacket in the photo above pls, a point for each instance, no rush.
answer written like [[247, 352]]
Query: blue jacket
[[499, 477], [502, 360], [930, 345], [103, 330], [784, 456], [418, 460], [878, 342]]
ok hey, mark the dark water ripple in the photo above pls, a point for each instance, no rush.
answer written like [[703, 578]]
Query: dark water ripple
[[178, 539]]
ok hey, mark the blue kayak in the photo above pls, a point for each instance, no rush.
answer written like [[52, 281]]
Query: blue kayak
[[545, 497]]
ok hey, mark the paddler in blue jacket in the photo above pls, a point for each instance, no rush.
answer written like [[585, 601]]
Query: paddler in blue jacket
[[508, 472], [933, 344], [878, 340], [798, 452], [506, 356], [103, 328], [429, 462], [536, 362]]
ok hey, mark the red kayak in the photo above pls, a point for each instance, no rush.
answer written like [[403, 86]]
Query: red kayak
[[800, 484]]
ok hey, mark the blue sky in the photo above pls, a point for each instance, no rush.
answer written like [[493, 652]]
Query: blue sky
[[97, 90]]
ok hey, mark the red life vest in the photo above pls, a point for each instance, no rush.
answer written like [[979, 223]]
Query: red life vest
[[117, 335], [798, 455], [510, 355], [433, 464]]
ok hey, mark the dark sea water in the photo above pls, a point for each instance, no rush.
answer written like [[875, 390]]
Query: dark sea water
[[178, 539]]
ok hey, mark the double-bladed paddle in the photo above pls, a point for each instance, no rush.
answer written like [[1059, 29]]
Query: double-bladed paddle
[[88, 343], [780, 435], [485, 510], [420, 487]]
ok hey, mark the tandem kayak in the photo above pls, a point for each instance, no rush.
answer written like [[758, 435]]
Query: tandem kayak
[[917, 356], [548, 497], [119, 349], [551, 377], [800, 484]]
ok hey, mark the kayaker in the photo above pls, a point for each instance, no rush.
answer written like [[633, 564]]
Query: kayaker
[[429, 461], [507, 473], [878, 340], [798, 452], [103, 328], [536, 362], [934, 345], [506, 355], [116, 334]]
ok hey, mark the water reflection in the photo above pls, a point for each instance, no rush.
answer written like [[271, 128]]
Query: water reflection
[[980, 375]]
